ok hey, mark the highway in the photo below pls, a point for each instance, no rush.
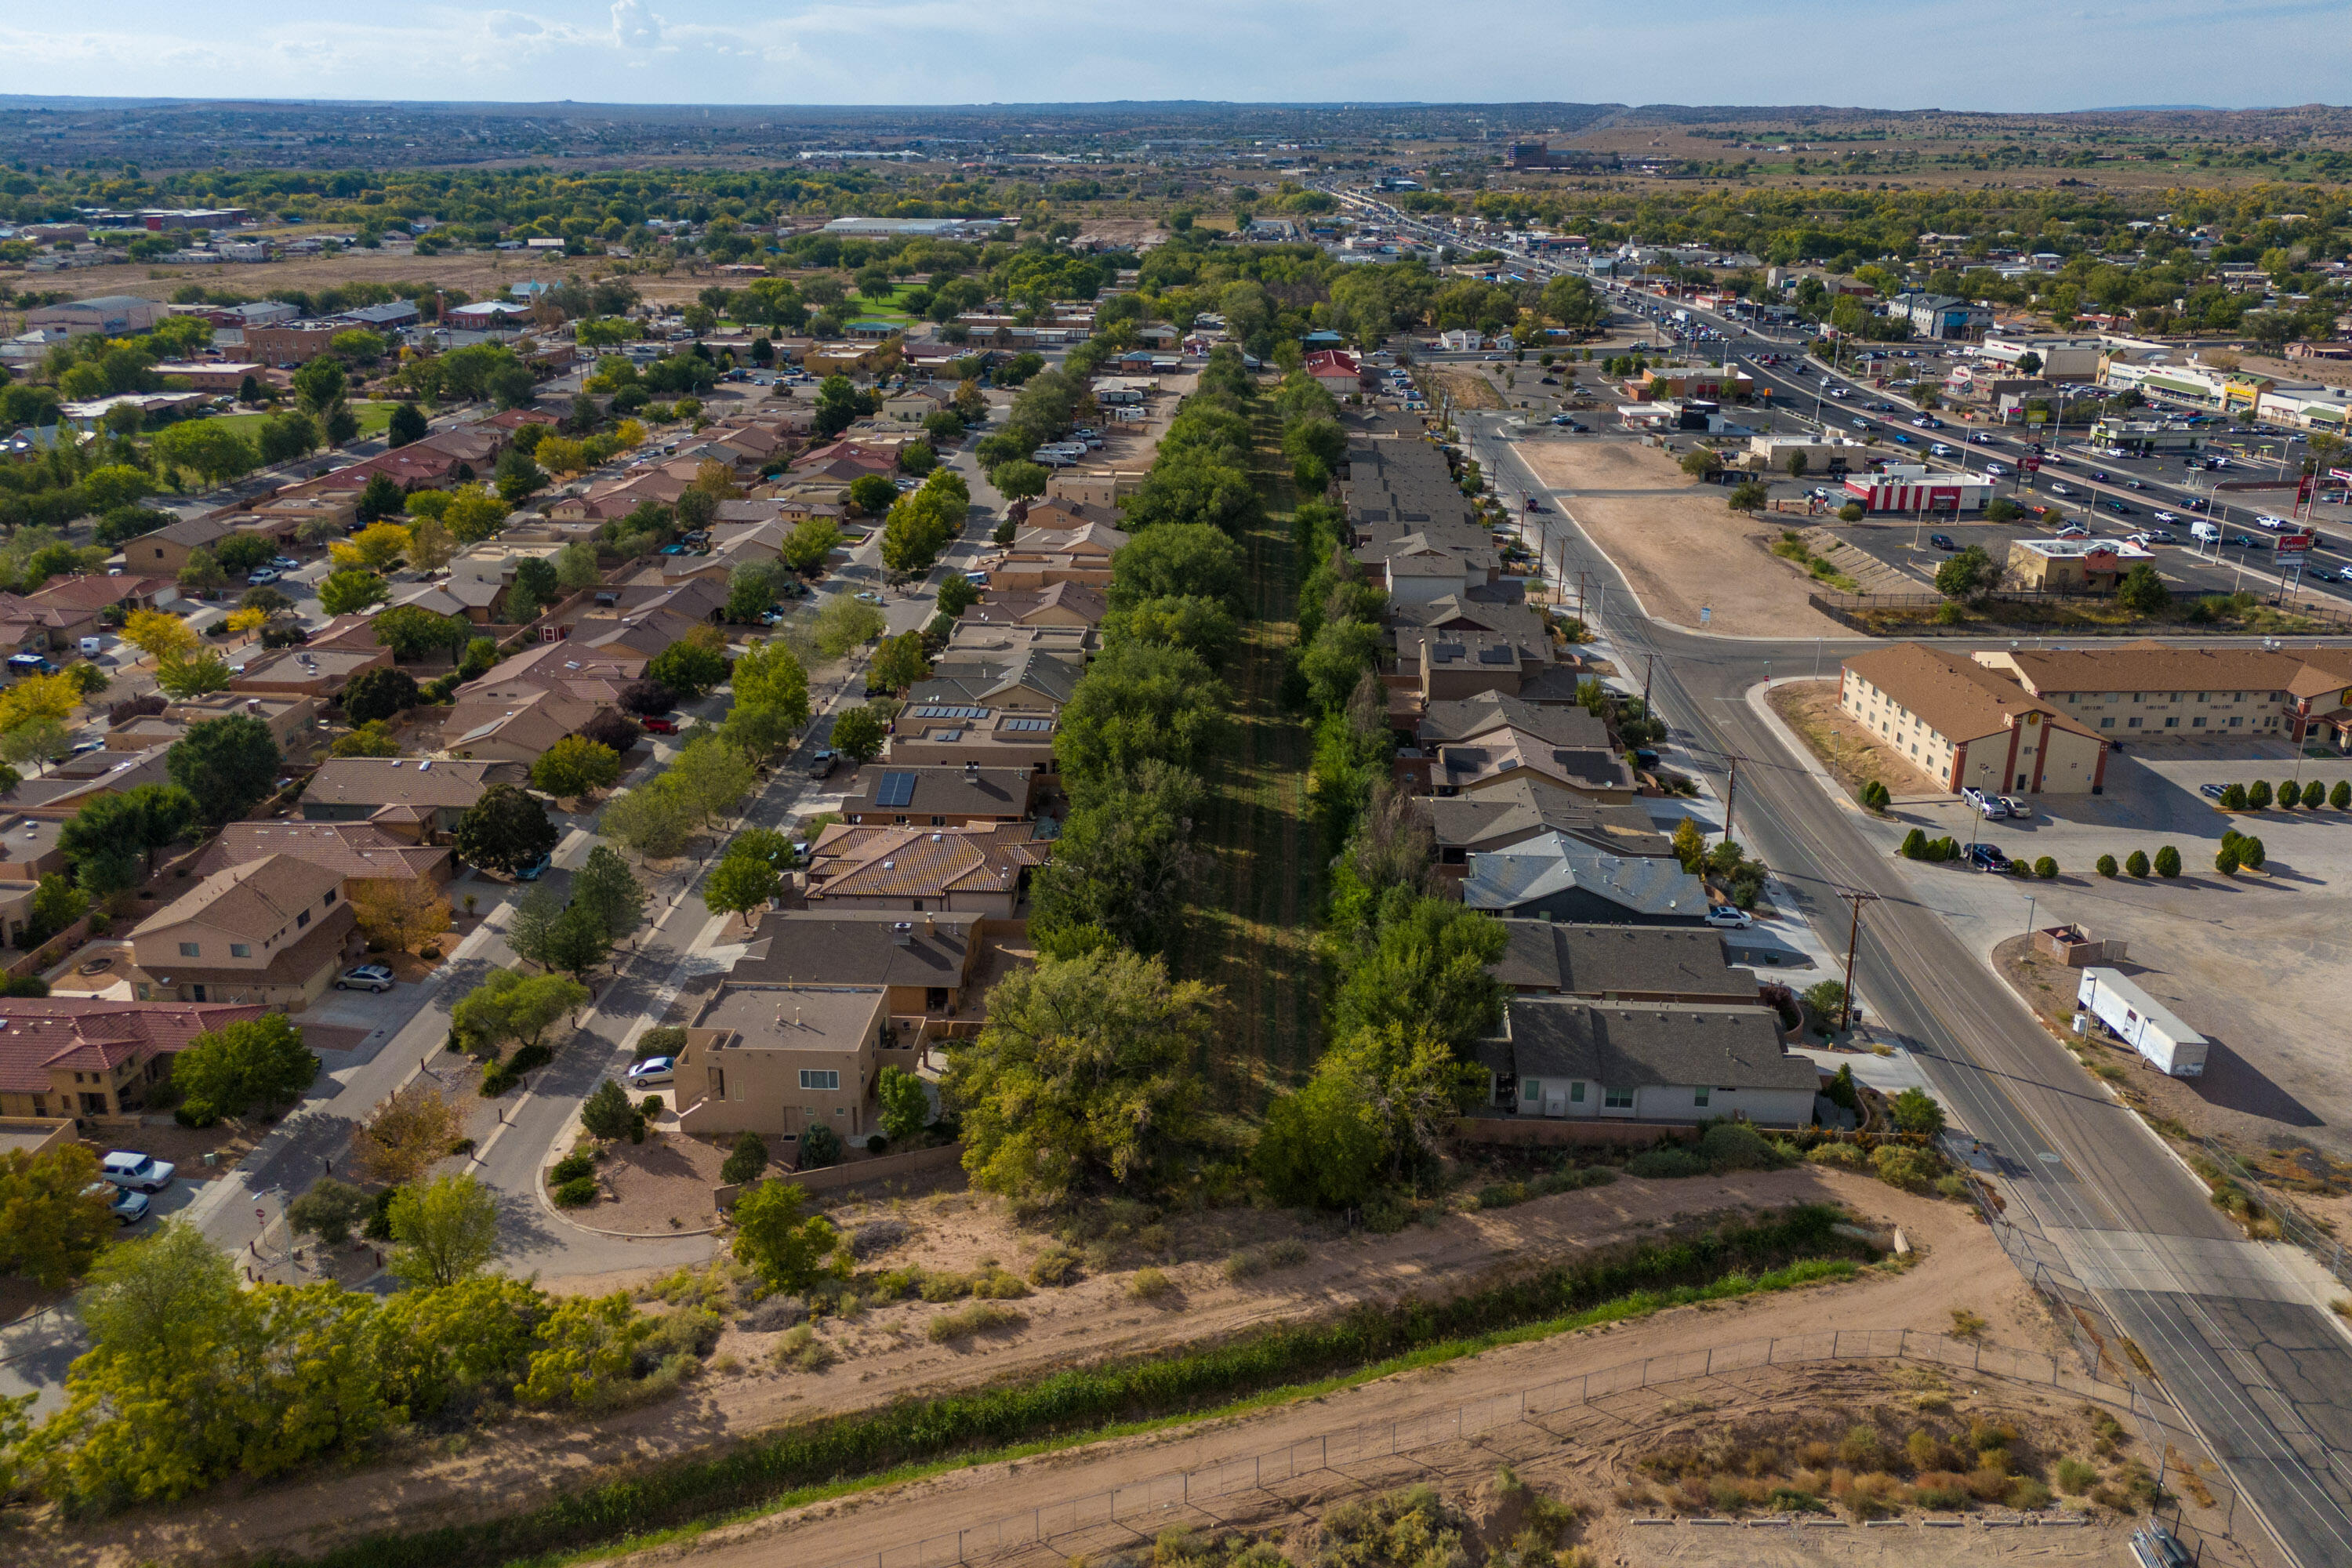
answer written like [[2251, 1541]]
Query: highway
[[2262, 1373]]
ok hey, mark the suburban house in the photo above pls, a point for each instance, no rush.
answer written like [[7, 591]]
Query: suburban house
[[780, 1059], [307, 671], [358, 852], [1033, 680], [166, 552], [981, 871], [77, 1056], [287, 716], [1054, 605], [511, 724], [75, 608], [273, 930], [1519, 809], [1503, 755], [1554, 877], [1964, 723], [407, 799], [1671, 1063], [923, 963], [1444, 665], [29, 849], [1622, 963], [910, 796], [952, 735]]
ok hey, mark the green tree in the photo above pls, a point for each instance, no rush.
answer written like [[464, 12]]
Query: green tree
[[505, 830], [906, 1107], [2142, 591], [1748, 495], [689, 668], [510, 1008], [1915, 1111], [897, 663], [443, 1232], [2225, 860], [791, 1250], [655, 821], [1426, 963], [408, 424], [139, 821], [2136, 864], [375, 695], [770, 675], [1019, 478], [858, 734], [1967, 574], [2258, 795], [1176, 561], [747, 1159], [872, 494], [206, 448], [608, 890], [330, 1210], [2167, 861], [1701, 461], [1323, 1145], [2251, 853], [1081, 1080], [577, 940], [381, 498], [573, 767], [740, 886], [2340, 797], [411, 631], [606, 1114], [51, 1226], [348, 592], [256, 1061], [2233, 797], [224, 765], [810, 542], [2105, 866], [844, 624]]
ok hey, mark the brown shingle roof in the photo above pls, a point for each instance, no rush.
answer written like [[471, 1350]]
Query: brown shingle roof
[[1953, 695], [260, 899], [397, 781], [2148, 666], [908, 862], [349, 849]]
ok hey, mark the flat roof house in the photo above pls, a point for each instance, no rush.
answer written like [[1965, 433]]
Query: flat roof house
[[780, 1059], [923, 962], [1667, 1064]]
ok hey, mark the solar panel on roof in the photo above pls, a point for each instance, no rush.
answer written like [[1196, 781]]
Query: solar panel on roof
[[895, 790], [1028, 724]]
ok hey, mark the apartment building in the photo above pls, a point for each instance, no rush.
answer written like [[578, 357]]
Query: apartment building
[[1964, 723], [2147, 690]]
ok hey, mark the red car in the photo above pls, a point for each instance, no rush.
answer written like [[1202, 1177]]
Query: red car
[[661, 724]]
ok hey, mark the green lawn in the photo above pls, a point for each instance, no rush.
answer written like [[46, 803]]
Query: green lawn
[[374, 417]]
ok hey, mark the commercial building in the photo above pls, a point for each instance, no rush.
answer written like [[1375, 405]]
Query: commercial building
[[2067, 566], [116, 315], [2147, 690], [1964, 723], [1914, 487], [1671, 1063], [2057, 358]]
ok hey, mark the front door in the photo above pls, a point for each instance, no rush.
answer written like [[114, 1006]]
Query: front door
[[200, 992]]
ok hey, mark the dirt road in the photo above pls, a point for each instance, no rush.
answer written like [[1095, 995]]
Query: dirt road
[[886, 1355]]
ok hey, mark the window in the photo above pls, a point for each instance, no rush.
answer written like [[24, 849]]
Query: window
[[2108, 722], [1617, 1099], [2235, 721], [820, 1077], [1698, 1097], [1575, 1093], [301, 919], [2198, 723], [240, 950], [330, 900], [189, 950], [1530, 1090], [2172, 723]]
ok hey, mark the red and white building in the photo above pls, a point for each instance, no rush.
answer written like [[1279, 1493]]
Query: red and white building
[[1338, 371], [1917, 488]]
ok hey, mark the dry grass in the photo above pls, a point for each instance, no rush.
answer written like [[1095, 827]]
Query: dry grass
[[1853, 754]]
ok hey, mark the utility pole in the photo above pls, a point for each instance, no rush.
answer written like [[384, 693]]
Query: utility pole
[[1649, 667], [1853, 940], [1731, 792]]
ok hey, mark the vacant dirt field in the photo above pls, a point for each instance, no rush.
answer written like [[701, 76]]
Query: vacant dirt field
[[1852, 753], [1679, 546], [884, 1354]]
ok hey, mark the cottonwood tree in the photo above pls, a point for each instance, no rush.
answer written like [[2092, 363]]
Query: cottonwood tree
[[444, 1232]]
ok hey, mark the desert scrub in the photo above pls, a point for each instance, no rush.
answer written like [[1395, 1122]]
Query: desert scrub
[[801, 1351], [1057, 1265], [1252, 1261], [1150, 1285], [974, 1318]]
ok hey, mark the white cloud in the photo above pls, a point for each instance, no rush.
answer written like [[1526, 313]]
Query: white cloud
[[634, 27]]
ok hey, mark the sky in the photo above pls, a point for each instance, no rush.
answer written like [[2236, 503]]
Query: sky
[[1995, 55]]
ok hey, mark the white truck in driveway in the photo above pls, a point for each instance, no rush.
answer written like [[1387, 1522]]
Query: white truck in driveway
[[2140, 1021]]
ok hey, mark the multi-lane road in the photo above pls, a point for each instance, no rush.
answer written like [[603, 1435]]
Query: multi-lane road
[[2233, 1334]]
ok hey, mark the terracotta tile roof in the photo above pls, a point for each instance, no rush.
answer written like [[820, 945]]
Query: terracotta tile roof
[[88, 593], [40, 1034]]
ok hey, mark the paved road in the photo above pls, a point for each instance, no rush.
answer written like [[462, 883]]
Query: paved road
[[2233, 1334]]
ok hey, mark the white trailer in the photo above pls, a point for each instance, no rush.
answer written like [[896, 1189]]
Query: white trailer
[[2140, 1021]]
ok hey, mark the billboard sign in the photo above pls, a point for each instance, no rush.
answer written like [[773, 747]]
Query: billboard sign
[[2294, 544], [2030, 465]]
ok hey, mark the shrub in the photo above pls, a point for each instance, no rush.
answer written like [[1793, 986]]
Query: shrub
[[1915, 1111], [1915, 844], [651, 1108], [666, 1040], [801, 1351], [2136, 864], [2167, 861], [2045, 868], [977, 1317], [2026, 1494], [2106, 866], [577, 1191], [746, 1160], [2258, 795], [1875, 796], [2251, 853], [1899, 1165], [1844, 1156], [2290, 795], [2077, 1477], [1150, 1285], [1664, 1164], [2225, 860], [1736, 1146], [1057, 1265], [1252, 1261], [2233, 797], [573, 1166], [2340, 797], [820, 1147]]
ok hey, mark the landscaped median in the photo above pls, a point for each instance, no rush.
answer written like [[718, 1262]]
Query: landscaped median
[[800, 1464]]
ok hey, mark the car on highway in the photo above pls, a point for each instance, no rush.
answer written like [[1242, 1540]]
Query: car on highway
[[2099, 476], [1864, 424], [1987, 858], [1729, 917], [1942, 542], [2241, 542], [2272, 525], [1985, 804], [2059, 489], [138, 1173], [653, 1070], [1902, 440], [2165, 517], [2121, 508], [1996, 470], [373, 977]]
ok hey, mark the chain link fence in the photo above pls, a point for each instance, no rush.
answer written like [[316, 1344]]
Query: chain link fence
[[1146, 1506], [2295, 1227]]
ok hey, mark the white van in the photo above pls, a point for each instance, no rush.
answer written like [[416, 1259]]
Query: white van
[[2205, 532]]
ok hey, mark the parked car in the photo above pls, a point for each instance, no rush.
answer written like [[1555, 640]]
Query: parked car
[[1729, 917], [30, 664], [822, 765], [128, 1208], [535, 870], [1987, 858], [660, 724], [255, 579], [138, 1173], [1985, 804], [2015, 808], [373, 977], [653, 1070], [1942, 542], [2210, 791], [284, 563]]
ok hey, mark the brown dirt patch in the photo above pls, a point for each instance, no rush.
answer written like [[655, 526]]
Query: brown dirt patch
[[1851, 752], [663, 1183], [1677, 543], [884, 1352], [186, 1146], [1468, 389]]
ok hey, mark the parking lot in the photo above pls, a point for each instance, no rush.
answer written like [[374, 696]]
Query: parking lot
[[2257, 961]]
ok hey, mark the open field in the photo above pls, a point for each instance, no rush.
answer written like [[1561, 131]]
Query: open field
[[375, 417], [1677, 543]]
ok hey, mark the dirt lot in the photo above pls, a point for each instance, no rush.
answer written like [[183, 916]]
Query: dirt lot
[[1852, 753], [884, 1354], [1677, 544]]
